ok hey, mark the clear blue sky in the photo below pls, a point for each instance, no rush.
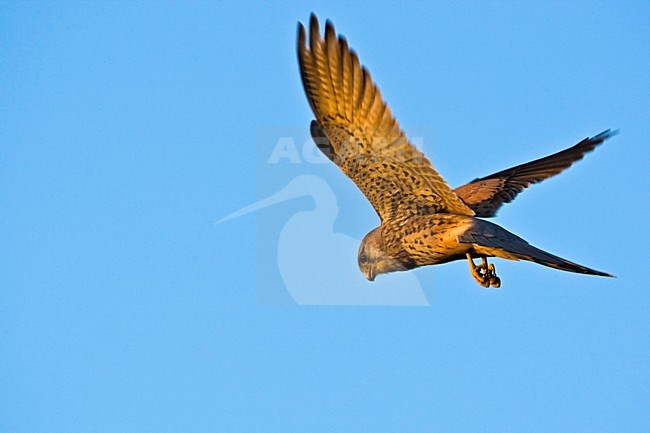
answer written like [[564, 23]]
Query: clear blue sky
[[128, 128]]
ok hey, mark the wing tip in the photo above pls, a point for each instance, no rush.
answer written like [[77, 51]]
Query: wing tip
[[605, 274], [313, 21], [302, 36], [605, 135], [314, 28], [330, 32]]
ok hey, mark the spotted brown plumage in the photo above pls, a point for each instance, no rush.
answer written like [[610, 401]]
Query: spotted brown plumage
[[366, 140], [422, 220]]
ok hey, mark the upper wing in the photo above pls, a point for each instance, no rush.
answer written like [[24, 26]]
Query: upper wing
[[362, 136], [486, 195]]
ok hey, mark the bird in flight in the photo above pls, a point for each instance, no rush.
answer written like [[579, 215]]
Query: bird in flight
[[423, 221]]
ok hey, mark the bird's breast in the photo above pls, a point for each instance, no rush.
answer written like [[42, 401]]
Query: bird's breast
[[433, 239]]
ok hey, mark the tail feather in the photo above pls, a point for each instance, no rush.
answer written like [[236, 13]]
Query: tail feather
[[491, 240], [534, 254]]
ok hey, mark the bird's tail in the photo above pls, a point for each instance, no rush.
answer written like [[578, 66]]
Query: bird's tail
[[491, 240]]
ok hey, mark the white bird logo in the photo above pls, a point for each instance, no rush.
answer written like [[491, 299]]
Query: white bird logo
[[318, 265]]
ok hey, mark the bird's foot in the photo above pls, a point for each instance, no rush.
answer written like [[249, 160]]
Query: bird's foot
[[492, 276], [479, 272], [483, 273]]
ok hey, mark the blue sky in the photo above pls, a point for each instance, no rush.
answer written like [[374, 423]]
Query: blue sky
[[129, 128]]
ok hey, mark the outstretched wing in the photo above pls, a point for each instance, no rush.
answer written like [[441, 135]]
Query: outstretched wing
[[486, 195], [363, 137]]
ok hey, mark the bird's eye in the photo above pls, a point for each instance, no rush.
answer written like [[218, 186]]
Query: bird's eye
[[363, 258]]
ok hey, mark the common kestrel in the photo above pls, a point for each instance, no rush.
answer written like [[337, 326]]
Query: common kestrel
[[423, 221]]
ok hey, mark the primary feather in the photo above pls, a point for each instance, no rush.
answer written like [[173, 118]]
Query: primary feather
[[486, 195], [358, 132]]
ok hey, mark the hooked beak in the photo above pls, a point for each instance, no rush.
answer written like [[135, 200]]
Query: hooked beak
[[371, 274]]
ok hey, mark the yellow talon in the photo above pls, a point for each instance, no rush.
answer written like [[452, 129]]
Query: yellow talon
[[484, 273]]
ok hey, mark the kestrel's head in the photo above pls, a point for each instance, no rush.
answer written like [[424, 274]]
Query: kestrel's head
[[373, 258]]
